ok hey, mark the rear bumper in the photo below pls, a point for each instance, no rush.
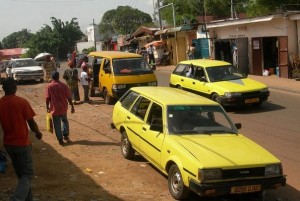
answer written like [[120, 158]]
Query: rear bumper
[[224, 188]]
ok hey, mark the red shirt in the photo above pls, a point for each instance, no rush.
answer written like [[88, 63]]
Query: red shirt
[[73, 55], [14, 114], [58, 93]]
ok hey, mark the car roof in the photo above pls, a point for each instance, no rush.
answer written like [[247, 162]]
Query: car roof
[[206, 62], [114, 54], [22, 59], [172, 96]]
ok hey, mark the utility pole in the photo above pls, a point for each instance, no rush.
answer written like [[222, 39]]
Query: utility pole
[[94, 35], [159, 15]]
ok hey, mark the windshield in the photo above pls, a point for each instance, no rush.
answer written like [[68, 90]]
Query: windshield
[[131, 66], [223, 73], [24, 63], [196, 119]]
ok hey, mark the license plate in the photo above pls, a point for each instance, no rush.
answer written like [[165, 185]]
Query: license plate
[[245, 189], [252, 100]]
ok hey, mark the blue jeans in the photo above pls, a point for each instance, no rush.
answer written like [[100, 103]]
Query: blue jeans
[[22, 163], [63, 130]]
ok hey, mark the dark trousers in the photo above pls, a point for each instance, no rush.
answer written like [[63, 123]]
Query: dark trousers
[[152, 61], [22, 163], [86, 89]]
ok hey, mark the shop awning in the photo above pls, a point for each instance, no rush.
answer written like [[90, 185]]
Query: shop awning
[[238, 22], [171, 30], [154, 43], [161, 32]]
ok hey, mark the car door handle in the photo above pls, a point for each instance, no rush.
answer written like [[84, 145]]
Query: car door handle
[[128, 117], [144, 129]]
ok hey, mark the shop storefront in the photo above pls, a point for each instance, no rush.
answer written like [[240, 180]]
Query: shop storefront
[[257, 44]]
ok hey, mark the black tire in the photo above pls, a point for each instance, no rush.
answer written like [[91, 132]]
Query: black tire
[[107, 98], [126, 147], [179, 86], [216, 97], [258, 104], [175, 183]]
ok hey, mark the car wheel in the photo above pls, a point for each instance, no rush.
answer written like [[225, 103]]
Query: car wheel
[[216, 97], [107, 98], [126, 147], [175, 183], [179, 86]]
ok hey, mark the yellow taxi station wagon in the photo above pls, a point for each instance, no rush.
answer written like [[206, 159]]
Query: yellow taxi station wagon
[[192, 140], [219, 81], [114, 72]]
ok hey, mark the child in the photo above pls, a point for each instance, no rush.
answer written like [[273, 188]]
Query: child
[[85, 81]]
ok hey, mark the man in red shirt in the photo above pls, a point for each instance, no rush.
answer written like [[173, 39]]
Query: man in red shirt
[[58, 95], [15, 114]]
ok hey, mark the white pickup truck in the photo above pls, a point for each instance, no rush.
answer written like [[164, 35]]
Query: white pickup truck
[[25, 69]]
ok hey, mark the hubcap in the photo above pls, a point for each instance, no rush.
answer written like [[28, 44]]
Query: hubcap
[[176, 182]]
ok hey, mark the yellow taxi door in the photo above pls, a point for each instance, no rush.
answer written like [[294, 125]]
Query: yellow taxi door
[[152, 139], [198, 82], [106, 78], [135, 121]]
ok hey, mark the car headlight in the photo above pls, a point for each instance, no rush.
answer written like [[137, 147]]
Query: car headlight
[[232, 94], [265, 90], [152, 84], [273, 169], [119, 86], [210, 174]]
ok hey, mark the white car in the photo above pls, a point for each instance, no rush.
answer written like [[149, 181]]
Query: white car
[[25, 69]]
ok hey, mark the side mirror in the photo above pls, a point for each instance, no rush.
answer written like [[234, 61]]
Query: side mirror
[[203, 79], [107, 70], [238, 125], [156, 127]]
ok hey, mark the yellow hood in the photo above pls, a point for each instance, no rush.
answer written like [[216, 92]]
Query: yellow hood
[[239, 85], [227, 150]]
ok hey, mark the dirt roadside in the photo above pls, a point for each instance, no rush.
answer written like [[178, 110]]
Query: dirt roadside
[[91, 168]]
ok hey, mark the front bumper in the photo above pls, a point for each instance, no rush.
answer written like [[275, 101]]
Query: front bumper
[[118, 93], [224, 188], [245, 99], [31, 77]]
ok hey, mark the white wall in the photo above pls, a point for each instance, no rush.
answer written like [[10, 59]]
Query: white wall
[[86, 45]]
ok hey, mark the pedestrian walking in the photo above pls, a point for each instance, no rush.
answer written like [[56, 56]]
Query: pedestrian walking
[[49, 66], [58, 95], [151, 57], [85, 81], [71, 77], [74, 57], [191, 52], [15, 114]]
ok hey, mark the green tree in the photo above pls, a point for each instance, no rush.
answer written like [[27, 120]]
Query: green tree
[[58, 40], [123, 20], [1, 46], [17, 39], [266, 7]]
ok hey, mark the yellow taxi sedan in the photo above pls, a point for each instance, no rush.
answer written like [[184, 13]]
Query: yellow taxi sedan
[[219, 81], [192, 140]]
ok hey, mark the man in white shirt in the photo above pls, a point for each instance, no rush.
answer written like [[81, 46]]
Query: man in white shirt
[[151, 58]]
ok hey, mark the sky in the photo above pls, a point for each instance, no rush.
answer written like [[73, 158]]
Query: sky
[[32, 15]]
